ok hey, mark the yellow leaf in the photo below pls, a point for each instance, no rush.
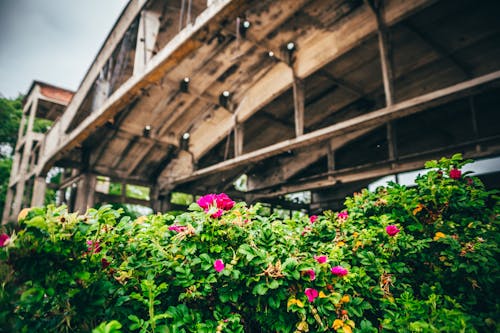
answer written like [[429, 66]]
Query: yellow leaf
[[23, 213], [418, 209], [295, 301], [322, 294], [439, 235], [347, 329], [302, 326], [340, 244], [337, 324], [345, 299]]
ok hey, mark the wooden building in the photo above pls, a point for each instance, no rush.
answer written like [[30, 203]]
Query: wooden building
[[319, 95]]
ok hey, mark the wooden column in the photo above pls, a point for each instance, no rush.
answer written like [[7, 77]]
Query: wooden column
[[298, 103], [238, 138], [39, 187], [85, 193], [149, 26], [387, 75]]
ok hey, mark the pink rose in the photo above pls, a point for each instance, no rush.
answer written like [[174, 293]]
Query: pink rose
[[343, 215], [93, 247], [4, 240], [177, 228], [313, 218], [219, 265], [321, 259], [311, 294], [206, 201], [391, 230], [223, 201], [312, 274], [220, 201], [455, 173], [339, 271]]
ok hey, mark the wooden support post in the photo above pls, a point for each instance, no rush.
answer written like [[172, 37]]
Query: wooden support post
[[387, 76], [39, 187], [238, 138], [149, 26], [475, 128], [85, 193], [298, 103]]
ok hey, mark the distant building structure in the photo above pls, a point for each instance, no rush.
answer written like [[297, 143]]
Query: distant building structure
[[302, 95]]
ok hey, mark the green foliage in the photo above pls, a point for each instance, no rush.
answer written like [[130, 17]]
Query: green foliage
[[421, 259], [10, 116]]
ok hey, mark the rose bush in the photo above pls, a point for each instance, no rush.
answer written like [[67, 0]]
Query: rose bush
[[421, 259]]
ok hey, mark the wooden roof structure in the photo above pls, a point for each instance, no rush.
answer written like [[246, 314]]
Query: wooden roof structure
[[298, 95]]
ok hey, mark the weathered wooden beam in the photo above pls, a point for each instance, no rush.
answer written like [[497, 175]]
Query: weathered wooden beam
[[183, 44], [314, 54], [375, 118], [287, 167], [374, 170], [299, 105]]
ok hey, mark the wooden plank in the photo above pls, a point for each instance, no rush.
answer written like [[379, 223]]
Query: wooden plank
[[374, 118]]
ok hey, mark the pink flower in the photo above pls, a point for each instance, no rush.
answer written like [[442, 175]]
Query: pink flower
[[220, 201], [321, 259], [4, 240], [223, 201], [311, 294], [313, 218], [219, 265], [391, 230], [217, 214], [312, 274], [339, 271], [93, 247], [206, 201], [455, 173], [177, 228], [343, 215]]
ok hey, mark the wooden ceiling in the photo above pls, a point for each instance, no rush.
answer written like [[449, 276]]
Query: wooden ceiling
[[432, 45]]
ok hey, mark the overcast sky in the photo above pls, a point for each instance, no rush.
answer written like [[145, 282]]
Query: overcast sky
[[51, 40]]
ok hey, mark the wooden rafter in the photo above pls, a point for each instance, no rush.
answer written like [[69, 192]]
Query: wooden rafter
[[374, 118]]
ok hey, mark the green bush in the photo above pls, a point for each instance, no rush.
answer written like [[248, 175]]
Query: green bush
[[422, 259]]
